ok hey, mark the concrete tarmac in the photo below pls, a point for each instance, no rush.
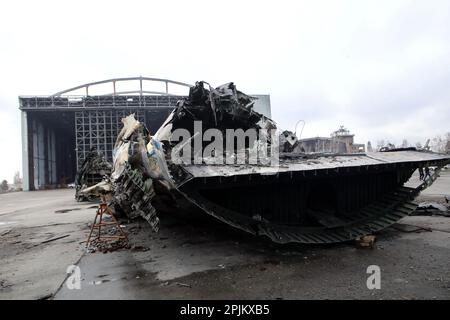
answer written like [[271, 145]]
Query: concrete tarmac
[[205, 259]]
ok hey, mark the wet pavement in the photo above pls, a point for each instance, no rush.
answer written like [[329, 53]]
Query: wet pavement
[[33, 259], [211, 262], [205, 259]]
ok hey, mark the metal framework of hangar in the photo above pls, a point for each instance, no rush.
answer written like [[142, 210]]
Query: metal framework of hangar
[[59, 130]]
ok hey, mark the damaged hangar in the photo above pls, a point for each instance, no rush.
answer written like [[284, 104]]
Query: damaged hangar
[[60, 130]]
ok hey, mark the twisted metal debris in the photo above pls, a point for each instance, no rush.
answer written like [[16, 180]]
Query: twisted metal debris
[[93, 170], [307, 198]]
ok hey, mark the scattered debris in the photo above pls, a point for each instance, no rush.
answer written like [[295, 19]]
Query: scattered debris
[[53, 239], [432, 209], [408, 228], [4, 284], [98, 282], [140, 248], [6, 232], [105, 247], [66, 210], [109, 234], [365, 242], [183, 284]]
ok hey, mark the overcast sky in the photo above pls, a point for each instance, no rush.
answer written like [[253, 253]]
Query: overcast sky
[[381, 68]]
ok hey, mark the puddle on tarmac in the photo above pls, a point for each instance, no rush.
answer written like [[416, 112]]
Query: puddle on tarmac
[[67, 210]]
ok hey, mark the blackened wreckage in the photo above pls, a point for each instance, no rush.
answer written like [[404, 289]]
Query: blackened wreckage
[[305, 198]]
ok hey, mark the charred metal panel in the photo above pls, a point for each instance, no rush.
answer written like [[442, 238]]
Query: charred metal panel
[[93, 170]]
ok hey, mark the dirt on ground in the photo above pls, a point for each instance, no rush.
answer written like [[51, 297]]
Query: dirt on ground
[[43, 236]]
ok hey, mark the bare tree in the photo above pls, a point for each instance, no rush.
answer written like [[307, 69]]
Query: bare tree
[[4, 186], [447, 142], [438, 144]]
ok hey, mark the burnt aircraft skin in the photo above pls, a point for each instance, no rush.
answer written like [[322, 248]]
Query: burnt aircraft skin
[[321, 198]]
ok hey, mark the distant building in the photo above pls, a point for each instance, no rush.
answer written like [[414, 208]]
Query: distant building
[[341, 141]]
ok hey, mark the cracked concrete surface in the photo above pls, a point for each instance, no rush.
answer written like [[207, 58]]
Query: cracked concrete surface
[[29, 268]]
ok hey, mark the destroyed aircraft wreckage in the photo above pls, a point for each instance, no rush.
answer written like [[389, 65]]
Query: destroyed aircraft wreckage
[[305, 198], [92, 171]]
